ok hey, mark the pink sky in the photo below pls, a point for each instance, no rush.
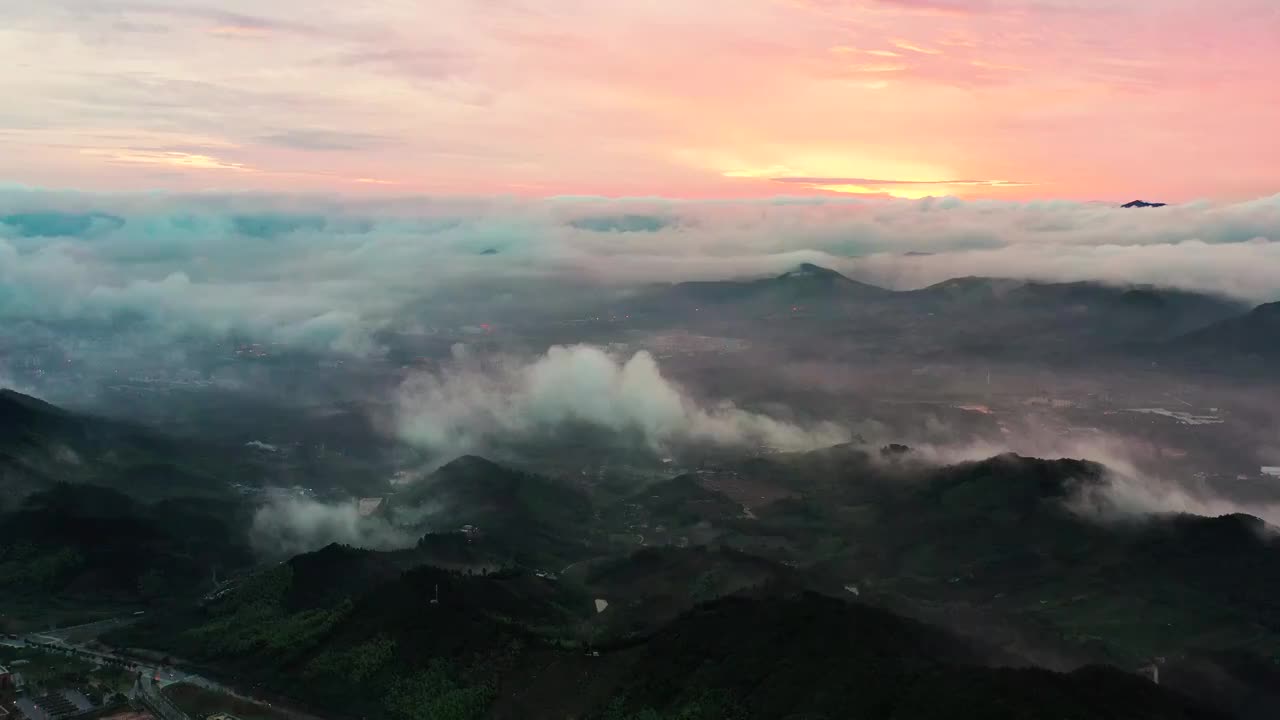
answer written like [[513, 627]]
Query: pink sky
[[1086, 99]]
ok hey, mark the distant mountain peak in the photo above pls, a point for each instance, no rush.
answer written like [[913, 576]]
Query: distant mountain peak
[[975, 283], [1255, 333], [1271, 309], [470, 463], [809, 270], [1142, 204], [807, 278], [15, 401]]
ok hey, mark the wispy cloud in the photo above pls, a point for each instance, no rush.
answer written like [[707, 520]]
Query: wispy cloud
[[170, 158], [492, 97], [916, 48], [416, 63], [222, 22], [871, 181], [337, 140], [945, 7]]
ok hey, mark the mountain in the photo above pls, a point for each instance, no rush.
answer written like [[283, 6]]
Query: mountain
[[810, 656], [1007, 561], [97, 514], [355, 633], [18, 411], [35, 445], [504, 646], [1035, 556], [1002, 318], [1142, 204], [992, 319], [655, 585], [1075, 299], [42, 445], [682, 502], [807, 283], [94, 545], [536, 520], [1252, 336], [428, 643]]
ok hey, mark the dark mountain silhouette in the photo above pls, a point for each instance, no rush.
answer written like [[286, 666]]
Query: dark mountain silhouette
[[489, 648], [999, 318], [1142, 204], [41, 445], [992, 318], [96, 545], [1074, 299], [807, 283], [807, 655], [533, 518], [1255, 334], [1021, 558]]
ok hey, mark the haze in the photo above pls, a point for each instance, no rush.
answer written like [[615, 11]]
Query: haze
[[639, 359]]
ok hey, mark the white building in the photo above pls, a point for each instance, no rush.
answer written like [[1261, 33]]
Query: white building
[[1271, 471]]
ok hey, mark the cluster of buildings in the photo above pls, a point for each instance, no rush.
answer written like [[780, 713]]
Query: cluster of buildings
[[9, 680], [17, 701], [54, 705]]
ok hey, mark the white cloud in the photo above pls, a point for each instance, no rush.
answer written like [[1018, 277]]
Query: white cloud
[[292, 525], [468, 404], [328, 274]]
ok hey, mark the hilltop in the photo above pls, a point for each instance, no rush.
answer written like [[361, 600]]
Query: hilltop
[[42, 445], [503, 646], [1255, 334]]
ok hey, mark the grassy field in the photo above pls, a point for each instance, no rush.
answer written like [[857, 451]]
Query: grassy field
[[199, 702]]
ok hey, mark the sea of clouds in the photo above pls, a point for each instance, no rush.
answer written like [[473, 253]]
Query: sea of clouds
[[328, 274]]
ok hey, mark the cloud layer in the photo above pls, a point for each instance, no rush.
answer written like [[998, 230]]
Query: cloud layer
[[328, 274], [468, 405]]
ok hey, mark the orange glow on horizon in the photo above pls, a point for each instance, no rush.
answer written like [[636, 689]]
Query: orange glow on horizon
[[698, 100]]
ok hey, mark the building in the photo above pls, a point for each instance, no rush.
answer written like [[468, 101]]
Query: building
[[59, 704], [1271, 471], [6, 679]]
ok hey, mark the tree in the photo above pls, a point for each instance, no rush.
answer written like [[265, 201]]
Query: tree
[[153, 585]]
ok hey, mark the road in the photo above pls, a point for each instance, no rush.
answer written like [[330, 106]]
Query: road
[[160, 675], [153, 698], [153, 677]]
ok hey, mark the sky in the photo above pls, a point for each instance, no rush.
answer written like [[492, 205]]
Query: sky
[[1169, 100]]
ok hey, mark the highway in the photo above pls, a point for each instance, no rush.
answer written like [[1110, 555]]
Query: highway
[[153, 677]]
